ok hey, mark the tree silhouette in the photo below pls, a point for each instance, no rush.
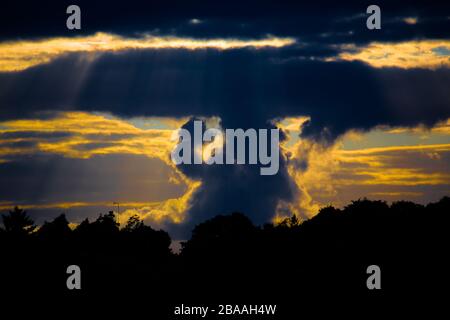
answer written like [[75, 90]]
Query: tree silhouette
[[133, 223], [290, 222], [219, 235], [17, 222], [138, 237], [228, 256], [56, 230]]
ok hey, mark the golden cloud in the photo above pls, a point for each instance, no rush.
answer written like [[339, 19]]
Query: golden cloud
[[104, 134], [442, 127], [20, 55], [427, 54], [86, 129], [334, 175], [171, 210]]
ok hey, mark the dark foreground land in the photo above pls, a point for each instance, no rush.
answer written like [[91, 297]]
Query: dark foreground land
[[317, 266]]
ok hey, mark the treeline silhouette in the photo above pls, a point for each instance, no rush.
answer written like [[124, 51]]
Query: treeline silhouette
[[229, 259]]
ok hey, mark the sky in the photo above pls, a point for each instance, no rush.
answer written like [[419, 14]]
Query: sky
[[86, 116]]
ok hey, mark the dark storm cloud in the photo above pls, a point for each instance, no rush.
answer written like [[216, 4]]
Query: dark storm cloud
[[303, 19], [233, 188], [246, 88]]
